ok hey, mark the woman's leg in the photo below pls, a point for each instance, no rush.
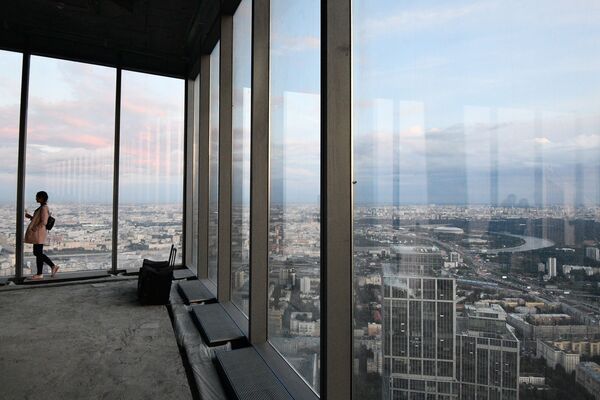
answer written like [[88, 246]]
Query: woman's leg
[[38, 252], [47, 259]]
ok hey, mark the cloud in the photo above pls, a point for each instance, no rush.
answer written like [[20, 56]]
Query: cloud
[[406, 20], [587, 141], [294, 44], [542, 140]]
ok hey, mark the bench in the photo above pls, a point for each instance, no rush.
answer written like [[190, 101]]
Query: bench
[[200, 357], [247, 376], [216, 326], [182, 273], [194, 291]]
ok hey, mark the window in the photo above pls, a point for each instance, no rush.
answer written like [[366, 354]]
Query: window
[[294, 231], [476, 142], [240, 212], [10, 100], [151, 168], [213, 174], [70, 144]]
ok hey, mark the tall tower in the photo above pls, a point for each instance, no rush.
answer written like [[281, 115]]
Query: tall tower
[[419, 326]]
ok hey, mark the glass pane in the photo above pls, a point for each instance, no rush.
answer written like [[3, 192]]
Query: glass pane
[[294, 231], [240, 211], [213, 173], [70, 144], [10, 100], [476, 160], [151, 168]]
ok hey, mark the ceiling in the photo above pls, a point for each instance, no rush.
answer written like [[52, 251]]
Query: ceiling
[[156, 36]]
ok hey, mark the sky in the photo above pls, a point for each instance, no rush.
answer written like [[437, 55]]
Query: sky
[[462, 102], [70, 133]]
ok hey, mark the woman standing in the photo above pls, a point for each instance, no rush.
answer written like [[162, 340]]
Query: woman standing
[[36, 234]]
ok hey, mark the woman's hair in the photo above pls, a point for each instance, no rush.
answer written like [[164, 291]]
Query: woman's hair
[[42, 195]]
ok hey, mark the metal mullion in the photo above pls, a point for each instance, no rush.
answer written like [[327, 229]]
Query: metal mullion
[[196, 166], [225, 158], [21, 165], [337, 270], [204, 166], [259, 172], [116, 169], [188, 172]]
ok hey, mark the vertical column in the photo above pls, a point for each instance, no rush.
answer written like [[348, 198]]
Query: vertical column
[[116, 165], [259, 172], [203, 168], [21, 166], [336, 200], [196, 167], [225, 158], [188, 171]]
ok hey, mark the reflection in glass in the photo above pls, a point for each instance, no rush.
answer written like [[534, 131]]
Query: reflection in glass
[[70, 144], [151, 168], [294, 231], [10, 99], [213, 173], [240, 209], [476, 157]]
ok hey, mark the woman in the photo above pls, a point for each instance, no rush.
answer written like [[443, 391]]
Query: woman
[[36, 234]]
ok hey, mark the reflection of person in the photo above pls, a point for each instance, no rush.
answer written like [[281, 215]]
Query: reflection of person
[[36, 234]]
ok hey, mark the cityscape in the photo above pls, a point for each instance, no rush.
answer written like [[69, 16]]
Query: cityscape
[[82, 236], [451, 302]]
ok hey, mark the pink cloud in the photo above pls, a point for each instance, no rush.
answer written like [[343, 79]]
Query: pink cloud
[[143, 108], [88, 140], [76, 122]]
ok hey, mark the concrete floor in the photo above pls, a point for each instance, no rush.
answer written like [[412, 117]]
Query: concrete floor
[[87, 341]]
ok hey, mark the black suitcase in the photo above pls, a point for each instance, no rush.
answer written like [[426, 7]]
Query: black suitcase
[[154, 280]]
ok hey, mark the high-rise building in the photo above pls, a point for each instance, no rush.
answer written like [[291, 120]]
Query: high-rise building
[[422, 358], [551, 267], [593, 253], [239, 279], [587, 375], [419, 329], [305, 284], [487, 355]]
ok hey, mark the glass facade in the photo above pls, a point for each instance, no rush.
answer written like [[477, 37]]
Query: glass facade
[[70, 144], [213, 173], [475, 176], [10, 96], [240, 209], [294, 231], [476, 168], [151, 168]]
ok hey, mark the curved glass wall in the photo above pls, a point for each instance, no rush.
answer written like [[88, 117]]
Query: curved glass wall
[[70, 144], [213, 173], [151, 168], [477, 168], [10, 100], [294, 231], [240, 212]]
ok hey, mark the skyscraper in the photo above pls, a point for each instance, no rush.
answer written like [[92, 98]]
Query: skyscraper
[[419, 329], [551, 267]]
